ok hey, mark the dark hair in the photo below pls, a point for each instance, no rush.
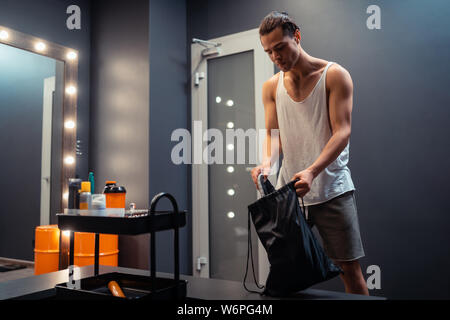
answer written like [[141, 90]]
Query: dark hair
[[276, 19]]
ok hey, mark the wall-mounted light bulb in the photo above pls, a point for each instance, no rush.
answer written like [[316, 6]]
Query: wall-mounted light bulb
[[4, 35], [69, 124], [72, 55], [69, 160], [218, 99], [230, 146], [230, 169], [66, 195], [230, 214], [231, 192], [230, 125], [71, 90], [40, 46], [230, 103]]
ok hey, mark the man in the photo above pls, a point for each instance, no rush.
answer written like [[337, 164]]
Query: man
[[310, 102]]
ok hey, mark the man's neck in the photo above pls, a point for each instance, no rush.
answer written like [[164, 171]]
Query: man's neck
[[304, 65]]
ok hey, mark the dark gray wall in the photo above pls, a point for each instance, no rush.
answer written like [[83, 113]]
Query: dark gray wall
[[120, 108], [400, 123], [21, 72], [47, 19], [130, 141], [169, 88]]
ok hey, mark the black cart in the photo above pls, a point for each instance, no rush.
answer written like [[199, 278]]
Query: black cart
[[133, 286]]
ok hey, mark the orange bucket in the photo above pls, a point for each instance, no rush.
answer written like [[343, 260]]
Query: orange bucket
[[46, 249], [46, 252], [85, 249]]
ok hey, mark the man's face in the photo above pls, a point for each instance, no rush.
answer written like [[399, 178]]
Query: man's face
[[282, 49]]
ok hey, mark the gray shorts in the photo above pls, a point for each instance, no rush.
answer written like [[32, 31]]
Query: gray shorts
[[337, 223]]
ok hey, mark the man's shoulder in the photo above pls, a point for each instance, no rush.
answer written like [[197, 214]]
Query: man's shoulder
[[338, 76], [270, 85], [273, 80]]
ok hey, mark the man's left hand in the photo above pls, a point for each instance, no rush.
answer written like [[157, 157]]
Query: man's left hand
[[303, 186]]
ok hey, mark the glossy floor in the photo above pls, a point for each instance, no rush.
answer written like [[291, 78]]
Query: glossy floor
[[16, 274]]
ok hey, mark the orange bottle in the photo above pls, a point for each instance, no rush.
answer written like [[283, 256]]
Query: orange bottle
[[115, 196], [115, 289]]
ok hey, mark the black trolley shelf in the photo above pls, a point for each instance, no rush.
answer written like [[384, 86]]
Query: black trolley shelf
[[133, 286]]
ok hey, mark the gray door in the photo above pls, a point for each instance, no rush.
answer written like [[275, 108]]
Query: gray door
[[231, 102]]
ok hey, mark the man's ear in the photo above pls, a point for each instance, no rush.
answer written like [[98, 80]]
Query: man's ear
[[297, 36]]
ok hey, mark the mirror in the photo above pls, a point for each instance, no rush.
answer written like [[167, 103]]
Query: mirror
[[37, 136]]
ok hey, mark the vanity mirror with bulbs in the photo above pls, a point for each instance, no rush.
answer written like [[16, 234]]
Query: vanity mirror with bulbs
[[38, 102]]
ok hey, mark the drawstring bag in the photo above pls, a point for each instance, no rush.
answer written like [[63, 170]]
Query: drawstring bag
[[297, 260]]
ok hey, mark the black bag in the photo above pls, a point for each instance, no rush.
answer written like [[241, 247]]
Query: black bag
[[297, 260]]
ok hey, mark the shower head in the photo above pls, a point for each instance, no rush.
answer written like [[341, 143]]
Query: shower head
[[206, 43]]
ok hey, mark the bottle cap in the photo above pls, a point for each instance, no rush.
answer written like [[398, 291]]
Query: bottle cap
[[85, 186], [110, 182], [112, 188]]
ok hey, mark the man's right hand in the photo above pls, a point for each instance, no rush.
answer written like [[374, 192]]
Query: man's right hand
[[256, 171]]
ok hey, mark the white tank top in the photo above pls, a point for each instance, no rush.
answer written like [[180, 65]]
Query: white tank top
[[304, 131]]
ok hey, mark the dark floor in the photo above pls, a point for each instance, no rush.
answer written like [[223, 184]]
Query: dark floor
[[16, 274]]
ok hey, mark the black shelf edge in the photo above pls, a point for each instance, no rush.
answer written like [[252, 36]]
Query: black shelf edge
[[159, 221]]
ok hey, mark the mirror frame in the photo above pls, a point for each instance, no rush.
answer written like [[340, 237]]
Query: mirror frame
[[28, 42]]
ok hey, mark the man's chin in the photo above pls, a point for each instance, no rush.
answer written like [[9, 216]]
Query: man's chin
[[284, 68]]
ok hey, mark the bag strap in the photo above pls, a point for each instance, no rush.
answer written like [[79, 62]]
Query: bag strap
[[250, 253], [303, 204], [303, 209]]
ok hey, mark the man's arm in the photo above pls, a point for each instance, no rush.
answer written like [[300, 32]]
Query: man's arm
[[271, 143], [340, 112]]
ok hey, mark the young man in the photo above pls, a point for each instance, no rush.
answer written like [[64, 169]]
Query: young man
[[310, 102]]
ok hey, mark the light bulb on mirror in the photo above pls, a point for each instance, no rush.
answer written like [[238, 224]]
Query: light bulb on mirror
[[72, 55], [71, 90], [66, 233], [40, 46], [4, 35], [69, 124], [69, 160]]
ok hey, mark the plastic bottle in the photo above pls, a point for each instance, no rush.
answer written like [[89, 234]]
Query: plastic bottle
[[74, 195], [91, 180], [85, 196], [115, 196]]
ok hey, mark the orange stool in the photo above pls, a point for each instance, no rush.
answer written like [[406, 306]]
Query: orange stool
[[46, 249]]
